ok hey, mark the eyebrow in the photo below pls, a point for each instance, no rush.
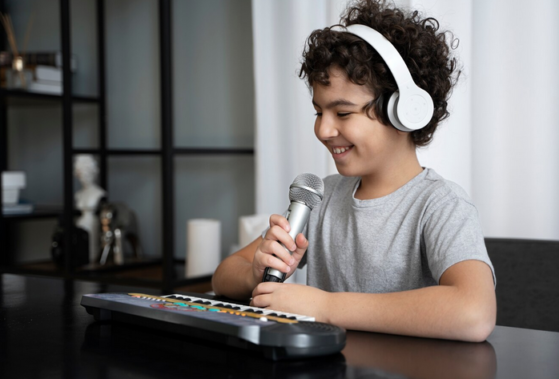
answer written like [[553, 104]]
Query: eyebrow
[[335, 103]]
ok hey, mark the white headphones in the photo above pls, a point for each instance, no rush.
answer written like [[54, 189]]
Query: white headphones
[[410, 108]]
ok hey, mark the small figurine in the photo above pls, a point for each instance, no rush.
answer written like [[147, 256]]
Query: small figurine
[[87, 200], [118, 225]]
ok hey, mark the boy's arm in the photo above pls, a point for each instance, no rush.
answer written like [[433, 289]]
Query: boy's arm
[[462, 307], [233, 277], [238, 274]]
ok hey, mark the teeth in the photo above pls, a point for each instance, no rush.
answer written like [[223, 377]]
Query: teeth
[[339, 150]]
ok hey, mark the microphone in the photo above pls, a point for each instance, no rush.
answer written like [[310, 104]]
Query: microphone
[[305, 193]]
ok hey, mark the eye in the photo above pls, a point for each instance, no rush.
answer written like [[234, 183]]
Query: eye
[[318, 114], [341, 114]]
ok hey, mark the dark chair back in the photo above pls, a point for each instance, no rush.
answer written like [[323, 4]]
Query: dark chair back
[[527, 282]]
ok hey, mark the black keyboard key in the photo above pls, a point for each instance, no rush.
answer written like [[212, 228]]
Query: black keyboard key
[[259, 312], [282, 316], [218, 305], [236, 308], [272, 314], [249, 310], [292, 318], [202, 302]]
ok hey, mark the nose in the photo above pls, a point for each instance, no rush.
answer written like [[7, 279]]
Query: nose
[[325, 128]]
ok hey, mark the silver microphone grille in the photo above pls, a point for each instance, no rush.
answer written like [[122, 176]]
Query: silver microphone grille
[[307, 189]]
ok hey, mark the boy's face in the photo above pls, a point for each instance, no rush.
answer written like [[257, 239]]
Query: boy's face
[[361, 146]]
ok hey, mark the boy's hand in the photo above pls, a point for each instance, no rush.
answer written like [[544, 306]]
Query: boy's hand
[[292, 298], [282, 261]]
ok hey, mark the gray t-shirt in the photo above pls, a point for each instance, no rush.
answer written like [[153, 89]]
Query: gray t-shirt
[[398, 242]]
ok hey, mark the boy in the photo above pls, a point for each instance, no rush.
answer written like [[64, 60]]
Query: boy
[[393, 247]]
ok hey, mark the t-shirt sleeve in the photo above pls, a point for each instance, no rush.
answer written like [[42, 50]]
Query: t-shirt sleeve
[[452, 234]]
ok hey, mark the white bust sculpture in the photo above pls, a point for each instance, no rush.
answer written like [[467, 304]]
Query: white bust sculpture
[[87, 199]]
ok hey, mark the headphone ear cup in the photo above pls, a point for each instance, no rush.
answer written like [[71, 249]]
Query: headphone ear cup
[[392, 113], [384, 105]]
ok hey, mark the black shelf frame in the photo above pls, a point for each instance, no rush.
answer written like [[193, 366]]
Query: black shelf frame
[[67, 122], [4, 256], [167, 162], [26, 95], [109, 275], [167, 153], [105, 153]]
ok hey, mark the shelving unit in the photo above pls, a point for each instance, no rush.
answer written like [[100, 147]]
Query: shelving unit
[[14, 95], [172, 270]]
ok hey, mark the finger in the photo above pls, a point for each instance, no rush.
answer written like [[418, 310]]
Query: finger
[[268, 259], [276, 233], [281, 221], [264, 288], [261, 301], [302, 245], [302, 242], [280, 252]]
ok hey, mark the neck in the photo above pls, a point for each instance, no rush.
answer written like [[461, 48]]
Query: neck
[[390, 177]]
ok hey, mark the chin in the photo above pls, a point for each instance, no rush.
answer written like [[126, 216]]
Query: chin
[[345, 171]]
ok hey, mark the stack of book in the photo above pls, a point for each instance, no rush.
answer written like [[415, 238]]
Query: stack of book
[[47, 70], [12, 183], [17, 209], [47, 79]]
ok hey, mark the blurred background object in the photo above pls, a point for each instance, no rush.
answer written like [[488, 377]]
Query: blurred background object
[[203, 252], [87, 200]]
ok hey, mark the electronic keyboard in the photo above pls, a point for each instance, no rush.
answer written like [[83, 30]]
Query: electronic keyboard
[[276, 335]]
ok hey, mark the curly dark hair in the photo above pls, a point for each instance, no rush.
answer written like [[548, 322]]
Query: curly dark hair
[[424, 49]]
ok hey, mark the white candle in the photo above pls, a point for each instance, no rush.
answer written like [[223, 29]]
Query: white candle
[[203, 247]]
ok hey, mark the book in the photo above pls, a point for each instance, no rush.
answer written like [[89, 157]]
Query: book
[[53, 59], [45, 86], [48, 73], [12, 209]]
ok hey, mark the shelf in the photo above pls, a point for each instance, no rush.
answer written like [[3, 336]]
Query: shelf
[[39, 212], [164, 272], [213, 151], [132, 263], [25, 98], [118, 151], [175, 151], [146, 273]]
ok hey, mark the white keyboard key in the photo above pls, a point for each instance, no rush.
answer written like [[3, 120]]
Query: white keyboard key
[[242, 308]]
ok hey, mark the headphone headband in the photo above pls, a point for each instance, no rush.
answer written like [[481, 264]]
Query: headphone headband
[[411, 107]]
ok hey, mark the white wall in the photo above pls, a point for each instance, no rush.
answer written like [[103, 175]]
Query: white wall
[[451, 150], [500, 140], [285, 141], [516, 117]]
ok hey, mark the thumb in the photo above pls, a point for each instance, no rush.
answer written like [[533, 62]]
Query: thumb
[[302, 245]]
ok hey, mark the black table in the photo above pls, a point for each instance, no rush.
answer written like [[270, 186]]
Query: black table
[[45, 333]]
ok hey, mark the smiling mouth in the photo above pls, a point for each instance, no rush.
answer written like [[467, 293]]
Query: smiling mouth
[[341, 150]]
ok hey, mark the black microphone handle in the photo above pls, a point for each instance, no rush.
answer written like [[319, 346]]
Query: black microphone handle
[[268, 277]]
